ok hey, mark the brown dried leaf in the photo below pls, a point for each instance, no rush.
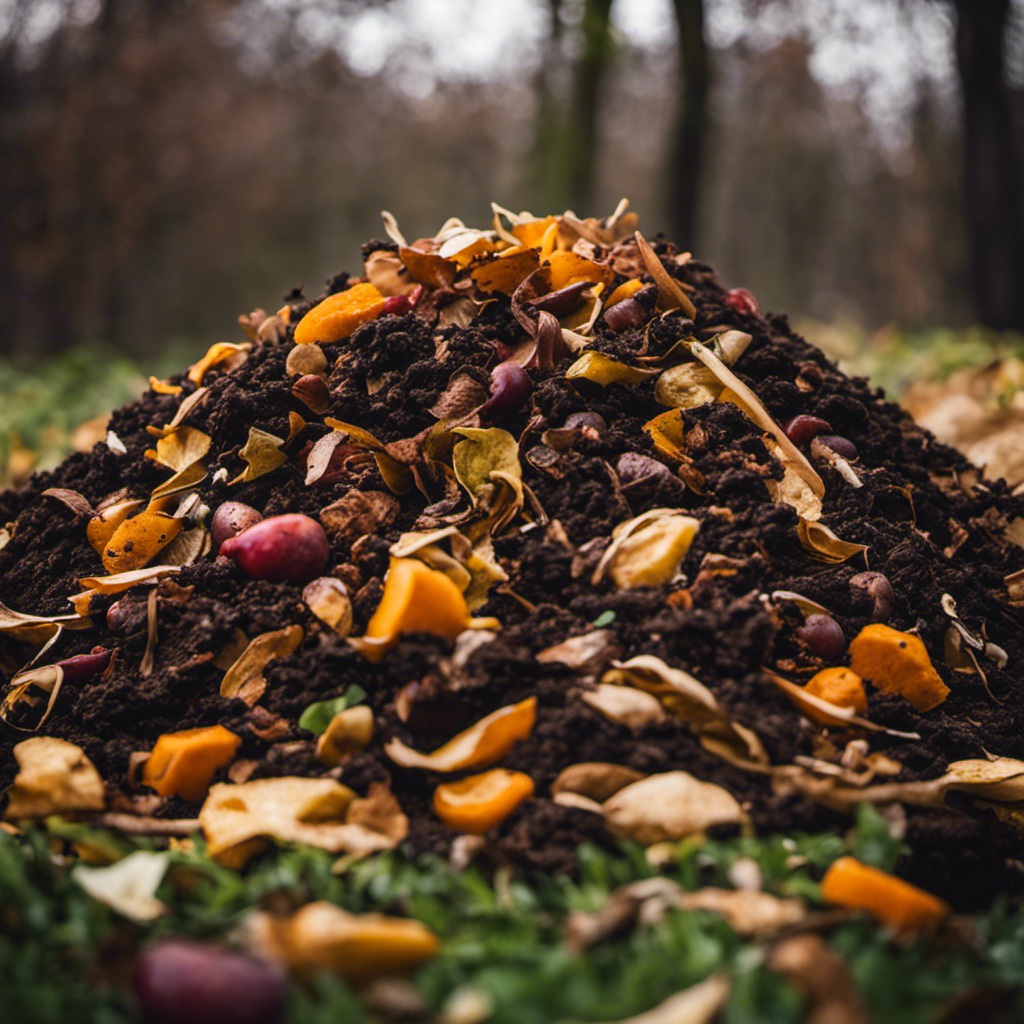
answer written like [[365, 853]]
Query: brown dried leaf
[[193, 401], [824, 545], [329, 601], [358, 513], [624, 705], [585, 653], [670, 292], [595, 779], [76, 502], [669, 806], [262, 452], [262, 650]]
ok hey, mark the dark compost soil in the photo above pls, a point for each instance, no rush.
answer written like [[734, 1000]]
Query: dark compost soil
[[931, 527]]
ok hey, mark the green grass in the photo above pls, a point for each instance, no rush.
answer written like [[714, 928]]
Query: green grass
[[504, 940]]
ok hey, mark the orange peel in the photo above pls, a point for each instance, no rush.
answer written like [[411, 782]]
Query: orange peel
[[183, 763], [839, 686], [477, 803], [849, 883], [339, 315], [481, 744], [897, 662]]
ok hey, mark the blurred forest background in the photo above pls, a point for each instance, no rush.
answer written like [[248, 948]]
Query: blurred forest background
[[168, 164]]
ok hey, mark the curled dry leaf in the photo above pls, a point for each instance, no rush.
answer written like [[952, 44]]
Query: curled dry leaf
[[119, 582], [487, 465], [46, 679], [595, 779], [328, 600], [237, 820], [358, 947], [648, 549], [689, 699], [397, 476], [624, 705], [358, 513], [54, 777], [505, 271], [824, 545], [349, 732], [262, 650], [319, 458], [188, 405], [72, 500], [586, 653], [129, 886], [262, 452], [669, 806], [604, 370], [1000, 779], [670, 293], [222, 355], [480, 745]]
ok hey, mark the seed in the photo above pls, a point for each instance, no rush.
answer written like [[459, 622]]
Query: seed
[[840, 445], [510, 387], [230, 519], [582, 420], [876, 588], [823, 636], [800, 429], [633, 467], [739, 300]]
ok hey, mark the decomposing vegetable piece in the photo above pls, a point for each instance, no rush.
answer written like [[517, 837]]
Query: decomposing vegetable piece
[[686, 386], [897, 662], [129, 885], [481, 744], [849, 883], [510, 387], [415, 597], [328, 600], [339, 315], [289, 548], [304, 360], [669, 806], [648, 549], [312, 391], [262, 650], [231, 519], [348, 733], [506, 271], [54, 777], [222, 354], [876, 588], [604, 370], [262, 452], [238, 819], [183, 763], [477, 803], [358, 947], [822, 636], [839, 686], [487, 466]]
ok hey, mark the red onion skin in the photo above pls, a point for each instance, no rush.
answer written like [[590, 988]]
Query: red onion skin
[[510, 387], [84, 667]]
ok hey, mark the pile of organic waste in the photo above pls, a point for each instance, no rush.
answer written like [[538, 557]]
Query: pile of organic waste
[[526, 538]]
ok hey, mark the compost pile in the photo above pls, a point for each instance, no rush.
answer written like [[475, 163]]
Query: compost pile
[[588, 514]]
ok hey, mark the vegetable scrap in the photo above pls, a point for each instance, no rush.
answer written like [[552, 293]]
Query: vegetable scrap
[[525, 536]]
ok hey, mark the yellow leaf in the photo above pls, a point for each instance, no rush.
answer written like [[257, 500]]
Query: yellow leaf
[[223, 353], [602, 369], [262, 452], [506, 271], [262, 650]]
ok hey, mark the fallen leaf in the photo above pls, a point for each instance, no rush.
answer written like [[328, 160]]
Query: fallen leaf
[[670, 292], [54, 777], [262, 650], [487, 465], [121, 581], [222, 354], [624, 705], [72, 500], [824, 545], [327, 598], [179, 450], [129, 886], [648, 549], [604, 370], [188, 404], [669, 806], [139, 540], [262, 452], [358, 513], [586, 653], [505, 271]]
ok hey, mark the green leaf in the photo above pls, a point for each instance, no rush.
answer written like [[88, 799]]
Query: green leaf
[[318, 716], [873, 843], [606, 618]]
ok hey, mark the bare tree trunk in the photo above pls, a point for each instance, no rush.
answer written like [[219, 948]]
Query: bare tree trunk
[[583, 126], [990, 177], [688, 138]]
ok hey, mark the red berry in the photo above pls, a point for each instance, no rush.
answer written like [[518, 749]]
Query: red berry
[[201, 983], [291, 548], [739, 300], [800, 429]]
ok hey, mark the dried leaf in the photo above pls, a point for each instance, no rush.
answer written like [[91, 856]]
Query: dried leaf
[[72, 500], [506, 271], [624, 706], [1000, 779], [463, 396], [122, 581], [54, 777], [429, 268], [595, 779], [139, 540], [670, 292], [604, 370], [328, 600], [183, 480], [188, 404], [825, 545], [262, 452], [262, 650], [179, 450], [586, 653], [187, 547], [320, 455], [397, 476], [47, 679], [223, 354], [236, 820], [129, 886], [480, 745], [669, 806], [648, 549], [380, 812], [358, 513], [487, 466]]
